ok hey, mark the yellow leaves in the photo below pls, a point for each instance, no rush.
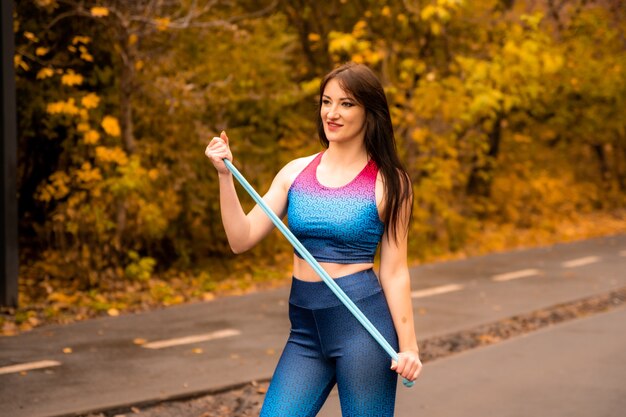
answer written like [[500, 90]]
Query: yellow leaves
[[84, 54], [552, 63], [410, 66], [31, 37], [162, 23], [113, 312], [153, 174], [532, 20], [151, 219], [340, 42], [41, 51], [90, 101], [310, 87], [99, 11], [81, 39], [67, 350], [139, 65], [435, 28], [46, 3], [71, 78], [437, 15], [18, 62], [314, 37], [91, 137], [520, 138], [419, 136], [63, 107], [111, 126], [431, 11], [132, 39], [360, 29], [114, 154], [88, 175], [385, 11], [56, 188], [45, 73], [353, 44]]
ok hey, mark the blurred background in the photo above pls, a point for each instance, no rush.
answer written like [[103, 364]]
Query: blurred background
[[508, 114]]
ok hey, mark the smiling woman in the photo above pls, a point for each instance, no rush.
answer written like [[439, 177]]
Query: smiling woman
[[344, 204], [342, 116]]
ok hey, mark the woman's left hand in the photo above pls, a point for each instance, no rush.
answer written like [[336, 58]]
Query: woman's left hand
[[409, 365]]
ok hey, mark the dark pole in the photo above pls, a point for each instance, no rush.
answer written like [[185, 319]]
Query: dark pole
[[8, 211]]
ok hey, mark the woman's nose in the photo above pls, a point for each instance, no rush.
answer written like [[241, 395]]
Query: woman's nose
[[332, 113]]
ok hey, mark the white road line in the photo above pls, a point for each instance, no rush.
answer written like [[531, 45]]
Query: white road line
[[22, 367], [436, 290], [220, 334], [515, 275], [580, 262]]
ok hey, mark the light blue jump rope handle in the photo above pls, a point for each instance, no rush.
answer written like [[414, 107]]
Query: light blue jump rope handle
[[317, 267]]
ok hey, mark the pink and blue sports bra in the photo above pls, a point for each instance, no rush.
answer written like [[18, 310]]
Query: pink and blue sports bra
[[338, 225]]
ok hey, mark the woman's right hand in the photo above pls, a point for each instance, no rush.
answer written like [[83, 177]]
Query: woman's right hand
[[217, 150]]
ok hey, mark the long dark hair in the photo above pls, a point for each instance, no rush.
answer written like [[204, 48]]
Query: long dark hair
[[380, 142]]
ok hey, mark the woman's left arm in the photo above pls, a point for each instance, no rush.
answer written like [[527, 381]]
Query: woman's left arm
[[395, 280]]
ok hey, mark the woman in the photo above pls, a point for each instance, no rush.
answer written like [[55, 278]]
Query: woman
[[342, 204]]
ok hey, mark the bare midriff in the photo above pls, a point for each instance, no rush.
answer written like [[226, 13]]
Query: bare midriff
[[303, 271]]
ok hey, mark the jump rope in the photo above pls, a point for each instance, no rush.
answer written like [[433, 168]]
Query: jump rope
[[358, 314]]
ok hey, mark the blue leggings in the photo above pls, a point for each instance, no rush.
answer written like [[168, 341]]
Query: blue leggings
[[327, 345]]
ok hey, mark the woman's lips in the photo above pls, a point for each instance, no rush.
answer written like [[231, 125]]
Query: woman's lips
[[333, 126]]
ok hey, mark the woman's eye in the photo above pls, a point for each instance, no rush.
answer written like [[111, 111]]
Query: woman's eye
[[347, 104], [326, 102]]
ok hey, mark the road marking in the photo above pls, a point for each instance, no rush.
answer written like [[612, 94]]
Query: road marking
[[436, 290], [515, 275], [22, 367], [220, 334], [580, 262]]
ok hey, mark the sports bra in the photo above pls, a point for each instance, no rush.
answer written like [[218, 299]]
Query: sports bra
[[336, 224]]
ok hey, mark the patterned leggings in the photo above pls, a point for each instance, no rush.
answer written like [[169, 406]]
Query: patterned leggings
[[327, 345]]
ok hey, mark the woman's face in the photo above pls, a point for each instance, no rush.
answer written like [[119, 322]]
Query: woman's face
[[342, 116]]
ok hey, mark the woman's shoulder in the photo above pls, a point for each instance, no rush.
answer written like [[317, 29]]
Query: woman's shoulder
[[292, 169], [297, 165]]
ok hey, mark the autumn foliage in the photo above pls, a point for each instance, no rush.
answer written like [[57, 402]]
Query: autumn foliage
[[508, 116]]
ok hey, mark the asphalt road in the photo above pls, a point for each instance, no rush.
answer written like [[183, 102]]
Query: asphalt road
[[576, 369], [203, 347]]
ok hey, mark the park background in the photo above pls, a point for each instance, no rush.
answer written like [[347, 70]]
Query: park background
[[508, 114]]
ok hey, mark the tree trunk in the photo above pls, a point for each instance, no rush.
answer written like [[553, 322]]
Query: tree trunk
[[126, 110], [126, 126], [481, 176], [605, 173]]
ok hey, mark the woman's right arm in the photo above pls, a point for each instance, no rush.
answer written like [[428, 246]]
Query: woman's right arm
[[245, 230]]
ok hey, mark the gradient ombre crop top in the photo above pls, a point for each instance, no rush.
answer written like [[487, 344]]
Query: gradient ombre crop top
[[336, 224]]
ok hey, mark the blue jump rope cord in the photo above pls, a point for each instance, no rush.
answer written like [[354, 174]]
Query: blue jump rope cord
[[316, 266]]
